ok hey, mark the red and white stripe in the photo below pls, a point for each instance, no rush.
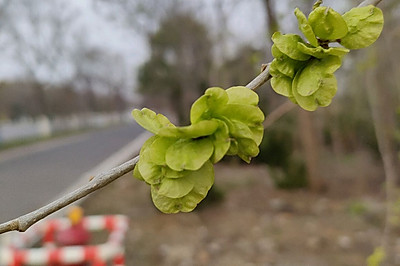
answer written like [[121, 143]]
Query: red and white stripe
[[111, 251]]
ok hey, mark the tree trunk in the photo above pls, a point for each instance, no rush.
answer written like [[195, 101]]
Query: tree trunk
[[40, 99], [382, 109], [272, 22], [310, 144], [178, 103]]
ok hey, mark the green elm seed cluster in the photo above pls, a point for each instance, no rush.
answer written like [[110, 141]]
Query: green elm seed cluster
[[304, 71], [177, 162]]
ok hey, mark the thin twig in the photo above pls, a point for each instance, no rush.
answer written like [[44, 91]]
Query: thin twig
[[278, 113], [258, 81], [23, 222], [369, 2]]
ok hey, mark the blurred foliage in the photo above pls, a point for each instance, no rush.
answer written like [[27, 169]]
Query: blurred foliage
[[241, 68], [214, 196], [277, 150], [376, 258], [177, 71], [350, 130], [291, 177], [357, 208], [276, 147]]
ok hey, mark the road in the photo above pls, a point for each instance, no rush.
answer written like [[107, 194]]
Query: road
[[33, 175]]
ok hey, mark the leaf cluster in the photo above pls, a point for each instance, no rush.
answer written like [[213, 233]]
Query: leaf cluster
[[177, 162], [304, 71]]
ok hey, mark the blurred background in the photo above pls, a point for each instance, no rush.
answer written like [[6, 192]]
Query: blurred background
[[72, 71]]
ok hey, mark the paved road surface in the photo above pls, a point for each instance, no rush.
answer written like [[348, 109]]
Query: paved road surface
[[32, 176]]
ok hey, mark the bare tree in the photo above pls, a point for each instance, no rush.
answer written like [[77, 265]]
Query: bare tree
[[142, 17], [38, 33], [178, 66]]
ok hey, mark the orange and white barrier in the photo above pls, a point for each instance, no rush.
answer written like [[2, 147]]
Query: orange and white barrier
[[18, 253]]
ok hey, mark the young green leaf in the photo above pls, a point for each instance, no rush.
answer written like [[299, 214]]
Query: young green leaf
[[233, 148], [202, 181], [189, 154], [242, 95], [137, 174], [276, 53], [203, 108], [311, 78], [247, 148], [148, 143], [200, 110], [305, 27], [258, 133], [320, 52], [199, 129], [329, 63], [170, 205], [221, 141], [169, 173], [151, 121], [150, 172], [217, 96], [274, 72], [157, 150], [286, 66], [327, 88], [327, 91], [306, 102], [247, 114], [244, 139], [175, 188], [327, 24], [282, 85], [287, 44], [365, 25], [238, 129]]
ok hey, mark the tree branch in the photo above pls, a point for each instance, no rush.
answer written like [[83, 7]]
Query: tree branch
[[22, 223], [278, 113], [258, 81], [369, 2]]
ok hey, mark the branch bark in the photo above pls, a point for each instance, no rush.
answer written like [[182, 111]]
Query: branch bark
[[369, 2], [262, 78]]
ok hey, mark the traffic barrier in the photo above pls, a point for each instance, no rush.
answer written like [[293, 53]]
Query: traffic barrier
[[18, 253]]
